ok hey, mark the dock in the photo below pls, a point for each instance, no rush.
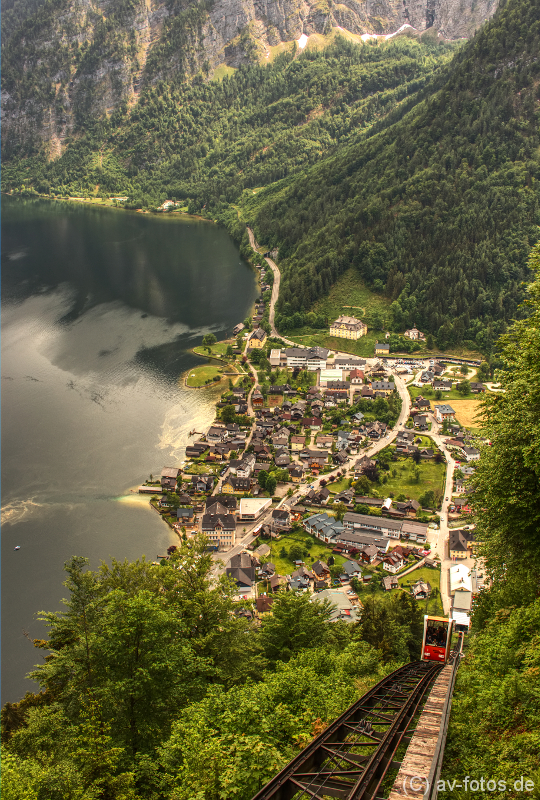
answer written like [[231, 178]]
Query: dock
[[150, 489]]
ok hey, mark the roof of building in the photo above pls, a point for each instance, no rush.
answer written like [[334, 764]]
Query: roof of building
[[258, 333], [460, 578], [350, 567], [319, 353], [264, 603], [445, 409], [462, 601], [218, 521], [457, 541], [250, 505], [343, 320], [382, 386], [342, 607], [170, 472]]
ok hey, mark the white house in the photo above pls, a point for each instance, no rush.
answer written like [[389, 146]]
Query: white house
[[392, 562], [443, 412]]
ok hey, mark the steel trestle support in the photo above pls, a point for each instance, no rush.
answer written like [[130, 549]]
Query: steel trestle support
[[350, 758]]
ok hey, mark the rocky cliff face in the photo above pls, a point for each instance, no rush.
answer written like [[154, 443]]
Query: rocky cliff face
[[77, 60]]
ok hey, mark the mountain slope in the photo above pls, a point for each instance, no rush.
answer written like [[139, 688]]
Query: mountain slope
[[207, 142], [74, 61], [438, 209]]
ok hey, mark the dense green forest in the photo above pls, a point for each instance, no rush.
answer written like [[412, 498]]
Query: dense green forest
[[495, 723], [209, 141], [155, 685], [438, 208]]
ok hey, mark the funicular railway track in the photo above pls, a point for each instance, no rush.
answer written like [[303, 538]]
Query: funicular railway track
[[350, 759]]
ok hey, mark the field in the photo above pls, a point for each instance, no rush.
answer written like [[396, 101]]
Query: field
[[221, 71], [431, 477], [318, 551], [467, 411], [198, 376], [350, 296]]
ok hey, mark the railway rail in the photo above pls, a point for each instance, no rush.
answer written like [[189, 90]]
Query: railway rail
[[350, 759]]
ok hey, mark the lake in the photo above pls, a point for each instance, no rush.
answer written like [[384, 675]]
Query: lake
[[100, 308]]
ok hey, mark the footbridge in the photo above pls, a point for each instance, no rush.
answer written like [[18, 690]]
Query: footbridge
[[388, 745]]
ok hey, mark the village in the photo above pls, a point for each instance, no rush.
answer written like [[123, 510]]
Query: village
[[331, 474]]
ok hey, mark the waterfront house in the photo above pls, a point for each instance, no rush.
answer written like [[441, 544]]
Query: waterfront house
[[169, 476], [257, 339]]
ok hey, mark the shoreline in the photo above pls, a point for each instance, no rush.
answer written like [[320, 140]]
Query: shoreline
[[88, 201]]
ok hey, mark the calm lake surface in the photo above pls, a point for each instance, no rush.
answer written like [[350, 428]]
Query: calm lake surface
[[99, 311]]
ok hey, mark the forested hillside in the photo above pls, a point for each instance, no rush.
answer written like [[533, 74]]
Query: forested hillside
[[438, 209], [209, 141], [495, 723], [157, 686]]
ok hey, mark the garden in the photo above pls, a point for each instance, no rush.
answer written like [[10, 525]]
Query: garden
[[298, 545]]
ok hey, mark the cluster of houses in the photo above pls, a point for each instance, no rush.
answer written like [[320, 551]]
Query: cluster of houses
[[247, 569], [432, 376], [368, 534], [287, 437]]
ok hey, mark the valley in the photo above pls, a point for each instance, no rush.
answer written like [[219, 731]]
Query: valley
[[312, 310]]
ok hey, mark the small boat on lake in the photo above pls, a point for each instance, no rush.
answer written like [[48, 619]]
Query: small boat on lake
[[18, 547]]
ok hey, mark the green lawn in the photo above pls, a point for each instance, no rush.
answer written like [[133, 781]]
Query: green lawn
[[318, 551], [431, 477], [431, 576], [221, 71], [350, 296], [199, 376], [338, 486], [219, 349], [365, 346], [202, 468], [429, 394]]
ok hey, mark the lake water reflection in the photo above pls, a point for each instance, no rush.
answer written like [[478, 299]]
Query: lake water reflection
[[99, 311]]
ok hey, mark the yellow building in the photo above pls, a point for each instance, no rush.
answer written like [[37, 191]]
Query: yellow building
[[257, 339], [382, 349], [348, 328]]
